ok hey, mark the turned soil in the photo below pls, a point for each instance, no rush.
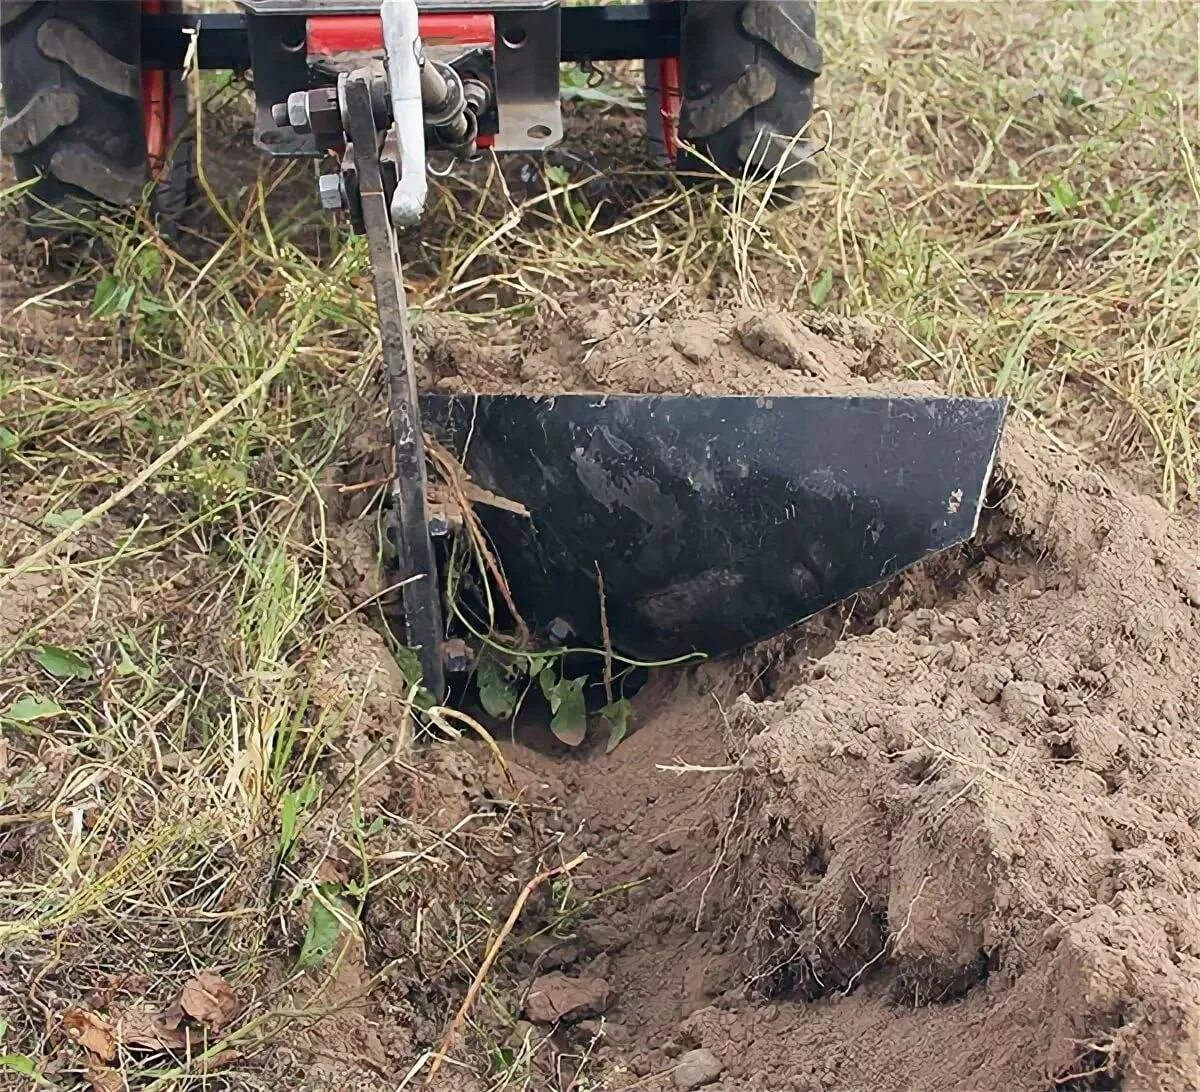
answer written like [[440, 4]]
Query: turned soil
[[944, 838]]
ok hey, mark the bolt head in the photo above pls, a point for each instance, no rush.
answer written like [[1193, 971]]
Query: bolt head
[[297, 110], [456, 656], [330, 188], [560, 631], [279, 114]]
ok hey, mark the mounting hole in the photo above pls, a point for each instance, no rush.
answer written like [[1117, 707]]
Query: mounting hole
[[539, 132], [514, 37], [295, 42]]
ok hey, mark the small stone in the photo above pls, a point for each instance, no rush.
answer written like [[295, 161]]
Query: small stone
[[555, 997], [697, 1068], [1023, 702]]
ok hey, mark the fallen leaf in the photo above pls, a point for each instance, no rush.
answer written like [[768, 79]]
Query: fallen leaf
[[104, 1079], [323, 928], [145, 1027], [209, 999], [63, 663], [32, 707], [90, 1031]]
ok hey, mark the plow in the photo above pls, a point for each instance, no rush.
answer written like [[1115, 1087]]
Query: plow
[[658, 526]]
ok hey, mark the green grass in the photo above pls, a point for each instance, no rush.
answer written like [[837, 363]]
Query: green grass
[[1022, 208]]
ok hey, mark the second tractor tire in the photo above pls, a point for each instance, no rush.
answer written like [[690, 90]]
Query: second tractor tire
[[748, 72], [75, 115]]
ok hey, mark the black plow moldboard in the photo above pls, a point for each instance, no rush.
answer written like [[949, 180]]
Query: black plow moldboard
[[715, 521]]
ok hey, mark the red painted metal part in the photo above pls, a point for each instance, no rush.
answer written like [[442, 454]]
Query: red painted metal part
[[330, 34], [156, 106], [670, 82]]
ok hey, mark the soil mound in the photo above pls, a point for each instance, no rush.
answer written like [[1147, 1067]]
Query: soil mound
[[634, 339], [989, 807], [957, 845], [960, 852]]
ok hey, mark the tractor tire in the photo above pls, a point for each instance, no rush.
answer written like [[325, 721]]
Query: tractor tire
[[75, 113], [748, 72]]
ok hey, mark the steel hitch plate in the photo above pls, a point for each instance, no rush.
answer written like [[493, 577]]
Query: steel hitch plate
[[715, 521]]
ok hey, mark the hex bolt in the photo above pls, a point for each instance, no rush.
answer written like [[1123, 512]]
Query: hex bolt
[[330, 187], [456, 656], [279, 114], [297, 109], [439, 525], [560, 631]]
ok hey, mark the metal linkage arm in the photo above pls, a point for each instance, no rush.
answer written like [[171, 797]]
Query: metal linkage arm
[[422, 594]]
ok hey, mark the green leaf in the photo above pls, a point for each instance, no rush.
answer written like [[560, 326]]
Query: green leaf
[[818, 293], [1061, 197], [64, 518], [148, 306], [27, 1067], [410, 668], [19, 1063], [569, 713], [502, 1059], [126, 666], [497, 688], [618, 714], [112, 298], [32, 707], [377, 824], [535, 664], [3, 1027], [294, 802], [323, 928], [558, 175], [8, 439], [149, 262], [62, 663]]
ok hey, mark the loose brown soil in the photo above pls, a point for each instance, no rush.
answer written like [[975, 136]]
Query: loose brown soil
[[958, 849]]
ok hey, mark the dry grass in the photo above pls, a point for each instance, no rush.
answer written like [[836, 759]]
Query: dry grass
[[1024, 209]]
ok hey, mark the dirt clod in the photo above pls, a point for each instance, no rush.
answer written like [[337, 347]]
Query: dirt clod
[[697, 1068], [554, 997]]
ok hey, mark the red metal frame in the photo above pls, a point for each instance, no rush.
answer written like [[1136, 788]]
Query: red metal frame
[[330, 34], [670, 84], [157, 106]]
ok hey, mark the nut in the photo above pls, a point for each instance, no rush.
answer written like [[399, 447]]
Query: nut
[[560, 631], [330, 188], [324, 114], [279, 113]]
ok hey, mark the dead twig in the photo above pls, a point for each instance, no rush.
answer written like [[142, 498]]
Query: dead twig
[[457, 479], [608, 648], [490, 958]]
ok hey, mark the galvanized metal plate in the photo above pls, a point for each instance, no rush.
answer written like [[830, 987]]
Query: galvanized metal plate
[[716, 521]]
